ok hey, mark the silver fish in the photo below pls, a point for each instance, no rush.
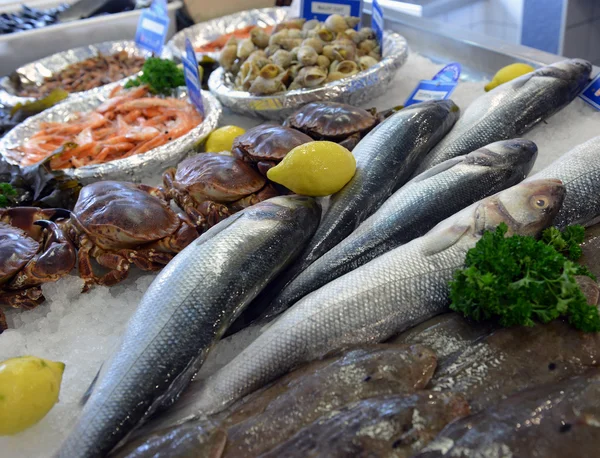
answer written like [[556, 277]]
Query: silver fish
[[414, 209], [385, 159], [391, 293], [512, 108], [579, 170], [184, 312]]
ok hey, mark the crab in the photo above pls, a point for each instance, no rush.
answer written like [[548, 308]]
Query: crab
[[210, 187], [336, 122], [266, 145], [118, 224], [33, 251]]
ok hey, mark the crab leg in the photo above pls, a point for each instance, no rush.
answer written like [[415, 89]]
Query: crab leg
[[27, 299], [117, 264], [56, 260], [3, 325]]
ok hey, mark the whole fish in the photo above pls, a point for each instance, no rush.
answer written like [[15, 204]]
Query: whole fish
[[579, 170], [551, 421], [393, 292], [414, 209], [512, 109], [385, 159], [387, 426], [186, 309]]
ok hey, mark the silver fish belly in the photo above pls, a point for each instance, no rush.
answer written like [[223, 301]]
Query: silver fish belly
[[184, 312], [512, 109], [385, 159], [579, 170], [414, 209], [393, 292]]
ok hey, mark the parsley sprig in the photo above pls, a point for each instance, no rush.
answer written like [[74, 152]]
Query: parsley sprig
[[6, 191], [520, 280], [161, 76]]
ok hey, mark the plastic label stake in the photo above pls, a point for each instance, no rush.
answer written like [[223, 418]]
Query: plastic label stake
[[439, 88], [591, 94], [153, 27], [377, 23], [192, 77], [322, 9]]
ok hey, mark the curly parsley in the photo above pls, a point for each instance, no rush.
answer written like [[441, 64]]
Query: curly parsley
[[519, 280], [6, 191], [161, 76]]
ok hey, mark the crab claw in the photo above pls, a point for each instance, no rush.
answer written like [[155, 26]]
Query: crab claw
[[56, 259]]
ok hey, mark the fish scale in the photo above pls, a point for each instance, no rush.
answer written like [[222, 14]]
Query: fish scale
[[414, 209], [184, 312], [579, 170], [512, 109], [385, 296]]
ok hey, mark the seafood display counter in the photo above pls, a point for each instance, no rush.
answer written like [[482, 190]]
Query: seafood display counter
[[392, 279]]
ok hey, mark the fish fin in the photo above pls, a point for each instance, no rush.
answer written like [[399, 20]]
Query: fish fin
[[444, 238], [446, 165], [88, 392]]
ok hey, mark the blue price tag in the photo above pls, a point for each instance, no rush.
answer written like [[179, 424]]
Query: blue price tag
[[439, 88], [192, 77], [159, 6], [449, 74], [591, 94], [322, 9], [377, 22], [152, 30], [430, 90]]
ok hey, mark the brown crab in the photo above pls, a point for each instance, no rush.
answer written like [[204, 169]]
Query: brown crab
[[33, 250], [336, 122], [266, 145], [118, 223], [210, 187]]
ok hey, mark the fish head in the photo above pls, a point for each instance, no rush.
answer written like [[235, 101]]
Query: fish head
[[574, 73], [526, 208], [445, 112], [511, 159]]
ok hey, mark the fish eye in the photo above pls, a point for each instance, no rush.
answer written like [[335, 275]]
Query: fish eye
[[540, 202]]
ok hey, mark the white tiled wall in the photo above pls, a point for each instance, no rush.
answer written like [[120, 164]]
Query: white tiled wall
[[582, 32], [496, 18]]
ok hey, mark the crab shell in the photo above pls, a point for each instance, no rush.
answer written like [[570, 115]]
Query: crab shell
[[16, 250], [331, 121], [267, 144], [121, 215], [217, 177]]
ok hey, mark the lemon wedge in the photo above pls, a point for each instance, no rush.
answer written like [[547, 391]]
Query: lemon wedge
[[29, 388], [315, 169]]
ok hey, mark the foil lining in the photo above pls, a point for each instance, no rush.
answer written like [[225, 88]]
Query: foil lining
[[205, 32], [35, 72], [132, 168], [354, 90]]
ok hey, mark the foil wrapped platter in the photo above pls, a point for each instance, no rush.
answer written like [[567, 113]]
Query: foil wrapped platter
[[205, 32], [35, 72], [132, 168], [354, 90]]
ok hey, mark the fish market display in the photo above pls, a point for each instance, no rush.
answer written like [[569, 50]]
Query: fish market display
[[130, 122], [299, 55], [579, 170], [30, 256], [29, 18], [409, 422], [87, 74], [415, 208], [240, 34], [385, 158], [393, 292], [511, 109], [184, 312], [552, 421]]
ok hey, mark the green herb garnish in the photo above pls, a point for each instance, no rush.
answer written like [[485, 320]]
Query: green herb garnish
[[6, 191], [161, 76], [520, 280]]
